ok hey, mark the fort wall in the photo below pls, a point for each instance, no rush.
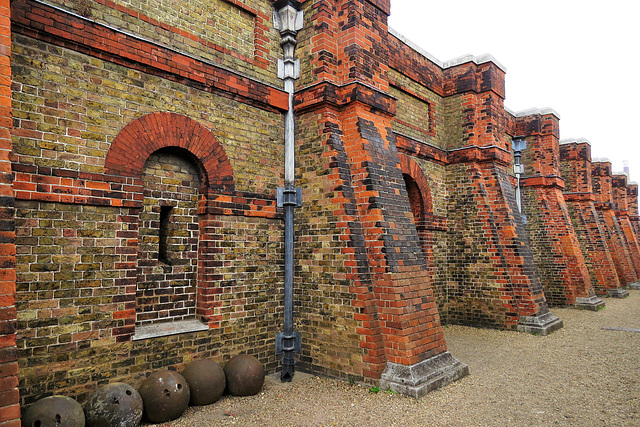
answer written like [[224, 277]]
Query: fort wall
[[140, 222]]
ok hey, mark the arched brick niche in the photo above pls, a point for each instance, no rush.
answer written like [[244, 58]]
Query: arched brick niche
[[155, 131], [421, 205], [176, 162], [412, 169]]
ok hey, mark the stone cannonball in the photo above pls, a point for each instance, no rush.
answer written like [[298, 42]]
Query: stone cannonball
[[54, 411], [165, 395], [245, 375], [206, 381], [114, 405]]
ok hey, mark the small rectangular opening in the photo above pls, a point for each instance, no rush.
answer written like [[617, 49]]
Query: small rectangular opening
[[163, 245]]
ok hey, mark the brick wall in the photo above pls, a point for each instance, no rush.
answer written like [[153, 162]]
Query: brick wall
[[619, 193], [236, 34], [633, 208], [167, 240], [9, 395], [575, 161], [354, 171], [147, 149], [620, 251], [93, 173], [556, 249]]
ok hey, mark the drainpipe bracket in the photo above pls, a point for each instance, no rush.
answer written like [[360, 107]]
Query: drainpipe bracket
[[288, 69], [289, 196], [288, 342]]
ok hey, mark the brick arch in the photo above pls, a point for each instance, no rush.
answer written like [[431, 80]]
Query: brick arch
[[410, 167], [155, 131], [421, 206]]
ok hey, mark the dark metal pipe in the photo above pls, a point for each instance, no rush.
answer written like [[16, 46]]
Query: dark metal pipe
[[288, 20]]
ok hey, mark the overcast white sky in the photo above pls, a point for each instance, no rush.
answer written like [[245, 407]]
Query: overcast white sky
[[579, 58]]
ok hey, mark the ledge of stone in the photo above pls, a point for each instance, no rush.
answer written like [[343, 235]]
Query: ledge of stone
[[423, 377], [168, 328], [591, 303], [634, 285], [543, 324], [618, 293]]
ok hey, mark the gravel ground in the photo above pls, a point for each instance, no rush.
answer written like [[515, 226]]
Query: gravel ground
[[581, 375]]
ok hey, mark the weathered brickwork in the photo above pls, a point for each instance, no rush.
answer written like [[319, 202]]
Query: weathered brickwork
[[620, 251], [71, 129], [419, 112], [619, 193], [556, 249], [236, 34], [143, 149], [91, 234], [575, 162], [633, 208], [168, 240], [9, 395], [396, 313]]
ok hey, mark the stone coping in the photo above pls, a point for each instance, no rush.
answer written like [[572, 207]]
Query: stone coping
[[156, 330]]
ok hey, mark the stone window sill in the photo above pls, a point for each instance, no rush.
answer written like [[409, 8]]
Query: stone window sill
[[169, 328]]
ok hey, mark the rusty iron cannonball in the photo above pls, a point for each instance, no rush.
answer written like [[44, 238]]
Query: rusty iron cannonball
[[114, 405], [54, 411], [206, 381], [245, 375], [165, 395]]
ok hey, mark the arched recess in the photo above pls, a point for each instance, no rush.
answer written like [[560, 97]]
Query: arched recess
[[421, 205], [151, 149], [147, 134]]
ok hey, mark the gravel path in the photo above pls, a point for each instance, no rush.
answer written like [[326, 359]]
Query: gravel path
[[581, 375]]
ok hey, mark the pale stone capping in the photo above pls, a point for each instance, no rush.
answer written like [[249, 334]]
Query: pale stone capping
[[480, 59], [168, 328]]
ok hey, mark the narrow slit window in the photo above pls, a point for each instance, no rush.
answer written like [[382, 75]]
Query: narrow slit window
[[163, 245]]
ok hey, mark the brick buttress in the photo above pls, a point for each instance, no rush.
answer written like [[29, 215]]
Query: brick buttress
[[575, 166], [556, 249], [621, 252]]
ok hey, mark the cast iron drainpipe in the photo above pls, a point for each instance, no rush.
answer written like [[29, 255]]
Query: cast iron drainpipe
[[288, 19]]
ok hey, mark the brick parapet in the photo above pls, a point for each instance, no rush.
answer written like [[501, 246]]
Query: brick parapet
[[619, 191], [469, 76], [575, 167], [345, 42], [542, 155], [602, 182]]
